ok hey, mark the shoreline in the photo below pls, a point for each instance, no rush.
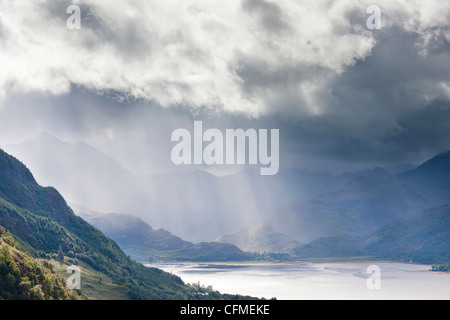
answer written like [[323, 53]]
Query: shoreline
[[270, 263], [237, 263]]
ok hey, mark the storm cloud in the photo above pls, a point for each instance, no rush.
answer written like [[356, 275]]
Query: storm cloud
[[339, 92]]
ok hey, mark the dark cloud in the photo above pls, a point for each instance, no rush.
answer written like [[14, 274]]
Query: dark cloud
[[343, 98], [270, 15]]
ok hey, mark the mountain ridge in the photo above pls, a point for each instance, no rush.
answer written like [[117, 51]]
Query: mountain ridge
[[431, 178], [421, 239], [203, 201], [143, 243], [362, 205]]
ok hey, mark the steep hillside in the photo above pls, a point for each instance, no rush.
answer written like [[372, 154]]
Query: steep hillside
[[77, 171], [44, 226], [25, 278]]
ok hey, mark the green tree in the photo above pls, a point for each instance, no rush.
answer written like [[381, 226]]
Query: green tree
[[60, 254]]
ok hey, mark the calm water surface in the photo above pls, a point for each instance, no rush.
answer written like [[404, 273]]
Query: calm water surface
[[316, 280]]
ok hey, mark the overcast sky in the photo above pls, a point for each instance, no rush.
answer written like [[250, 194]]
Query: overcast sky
[[343, 96]]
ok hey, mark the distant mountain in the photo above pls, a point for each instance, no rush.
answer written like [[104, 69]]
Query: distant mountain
[[361, 206], [261, 237], [140, 241], [199, 206], [431, 179], [195, 205], [45, 227], [422, 239], [343, 247], [80, 172]]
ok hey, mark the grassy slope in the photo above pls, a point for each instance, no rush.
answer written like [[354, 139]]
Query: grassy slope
[[23, 277]]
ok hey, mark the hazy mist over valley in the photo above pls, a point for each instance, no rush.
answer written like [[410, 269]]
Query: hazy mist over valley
[[139, 132]]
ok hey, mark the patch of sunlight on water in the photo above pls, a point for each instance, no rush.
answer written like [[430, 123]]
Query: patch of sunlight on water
[[303, 281]]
